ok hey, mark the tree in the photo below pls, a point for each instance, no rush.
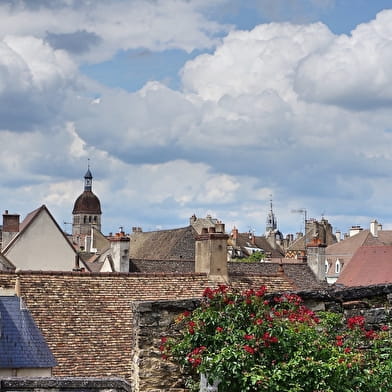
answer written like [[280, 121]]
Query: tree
[[248, 342]]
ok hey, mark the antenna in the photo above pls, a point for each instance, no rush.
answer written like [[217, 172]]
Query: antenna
[[65, 226]]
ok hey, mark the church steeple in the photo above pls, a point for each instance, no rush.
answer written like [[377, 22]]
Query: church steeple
[[88, 180], [86, 212], [272, 223]]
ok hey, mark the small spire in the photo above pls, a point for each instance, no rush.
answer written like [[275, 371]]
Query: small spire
[[88, 178]]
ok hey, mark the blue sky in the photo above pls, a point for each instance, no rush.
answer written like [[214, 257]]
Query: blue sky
[[133, 68], [200, 106]]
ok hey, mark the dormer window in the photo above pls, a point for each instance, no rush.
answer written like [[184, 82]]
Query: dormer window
[[337, 266]]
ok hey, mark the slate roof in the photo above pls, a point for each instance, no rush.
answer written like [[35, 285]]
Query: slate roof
[[369, 265], [21, 342], [174, 244]]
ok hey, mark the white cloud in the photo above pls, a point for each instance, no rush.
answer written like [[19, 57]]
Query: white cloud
[[265, 113], [108, 26], [354, 71]]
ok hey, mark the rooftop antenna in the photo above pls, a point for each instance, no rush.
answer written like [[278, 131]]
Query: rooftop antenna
[[65, 226]]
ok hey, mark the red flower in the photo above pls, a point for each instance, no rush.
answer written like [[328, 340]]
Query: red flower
[[259, 321], [371, 334], [385, 328], [209, 293], [261, 291], [219, 329], [249, 349], [249, 337], [347, 350], [356, 321]]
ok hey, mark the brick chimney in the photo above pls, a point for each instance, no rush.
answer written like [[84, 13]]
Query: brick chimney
[[10, 227], [211, 253]]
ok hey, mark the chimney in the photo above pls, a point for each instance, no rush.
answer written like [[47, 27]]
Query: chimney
[[374, 228], [316, 259], [119, 252], [355, 230], [234, 233], [219, 227], [10, 227], [338, 235], [18, 290], [77, 263], [211, 254]]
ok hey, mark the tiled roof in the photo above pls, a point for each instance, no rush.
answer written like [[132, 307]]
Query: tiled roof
[[87, 203], [299, 273], [21, 343], [244, 240], [87, 318], [175, 244], [370, 265], [200, 223], [345, 249]]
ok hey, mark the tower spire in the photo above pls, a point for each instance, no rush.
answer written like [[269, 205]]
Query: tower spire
[[271, 224], [88, 178]]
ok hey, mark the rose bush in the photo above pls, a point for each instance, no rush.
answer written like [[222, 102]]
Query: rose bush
[[251, 343]]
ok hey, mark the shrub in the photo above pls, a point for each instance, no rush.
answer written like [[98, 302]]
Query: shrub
[[250, 343]]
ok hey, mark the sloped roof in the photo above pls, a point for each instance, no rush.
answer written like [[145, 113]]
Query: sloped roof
[[28, 221], [244, 241], [200, 223], [5, 264], [348, 246], [87, 319], [298, 273], [172, 244], [21, 342], [370, 265]]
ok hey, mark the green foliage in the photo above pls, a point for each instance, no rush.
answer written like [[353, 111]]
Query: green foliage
[[254, 257], [250, 343]]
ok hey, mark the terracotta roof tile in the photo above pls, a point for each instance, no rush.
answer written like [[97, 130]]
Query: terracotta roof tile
[[370, 265], [87, 318]]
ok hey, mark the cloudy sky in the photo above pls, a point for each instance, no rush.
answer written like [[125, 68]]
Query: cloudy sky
[[198, 106]]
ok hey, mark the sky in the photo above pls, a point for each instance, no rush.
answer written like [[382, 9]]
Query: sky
[[185, 107]]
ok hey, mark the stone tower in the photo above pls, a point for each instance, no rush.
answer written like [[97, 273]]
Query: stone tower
[[86, 212]]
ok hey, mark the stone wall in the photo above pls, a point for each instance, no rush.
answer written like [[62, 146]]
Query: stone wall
[[155, 319], [53, 384]]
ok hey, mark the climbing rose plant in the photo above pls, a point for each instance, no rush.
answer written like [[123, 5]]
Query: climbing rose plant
[[248, 342]]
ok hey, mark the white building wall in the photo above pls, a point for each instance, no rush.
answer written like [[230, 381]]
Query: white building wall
[[42, 247]]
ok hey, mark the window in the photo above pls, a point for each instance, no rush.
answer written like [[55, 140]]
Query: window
[[326, 266], [337, 266]]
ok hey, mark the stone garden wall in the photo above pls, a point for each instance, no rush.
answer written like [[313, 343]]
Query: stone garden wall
[[155, 319], [64, 385]]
